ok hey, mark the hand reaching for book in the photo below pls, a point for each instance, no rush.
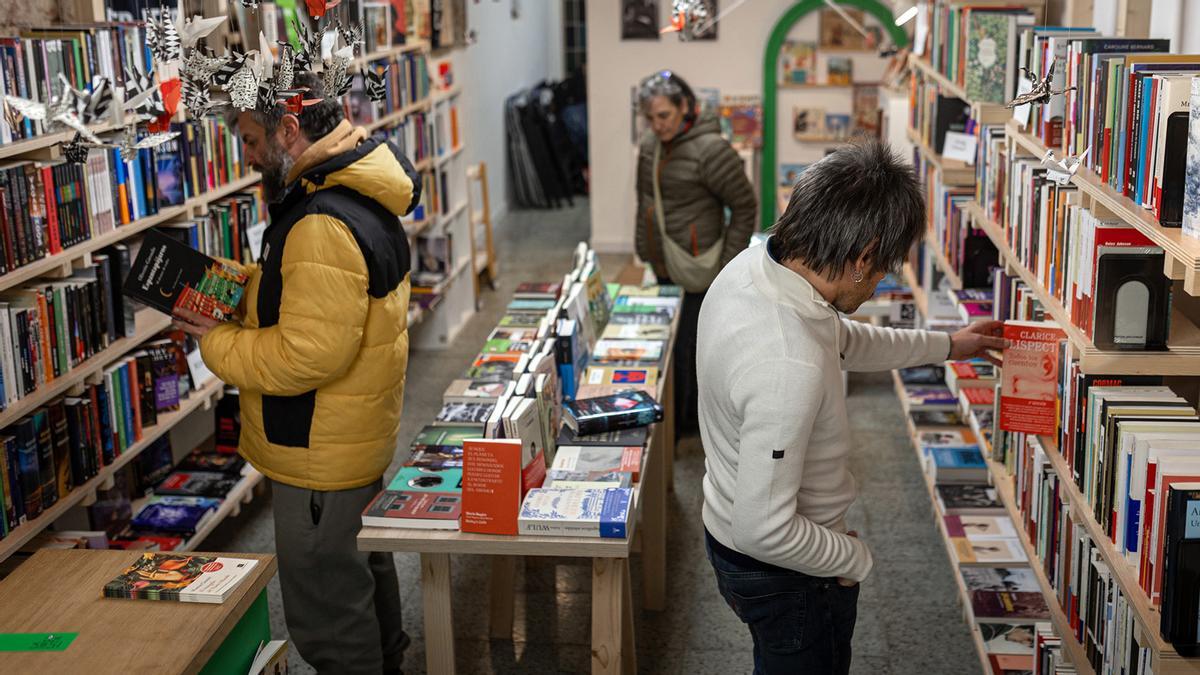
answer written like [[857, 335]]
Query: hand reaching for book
[[976, 340], [194, 324]]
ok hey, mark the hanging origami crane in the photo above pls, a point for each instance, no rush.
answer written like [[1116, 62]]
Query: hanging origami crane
[[285, 68], [243, 89], [250, 4], [293, 100], [193, 29], [336, 76], [1061, 170], [57, 114], [228, 68], [352, 34], [1041, 92], [128, 142], [373, 83], [76, 150], [163, 38], [141, 94]]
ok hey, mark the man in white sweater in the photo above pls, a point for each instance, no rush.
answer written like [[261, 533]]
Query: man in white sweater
[[772, 345]]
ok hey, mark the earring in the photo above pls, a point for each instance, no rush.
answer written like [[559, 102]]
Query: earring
[[857, 276]]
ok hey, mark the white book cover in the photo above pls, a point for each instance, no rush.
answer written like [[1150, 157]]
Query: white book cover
[[576, 512], [1191, 189], [629, 350], [180, 577]]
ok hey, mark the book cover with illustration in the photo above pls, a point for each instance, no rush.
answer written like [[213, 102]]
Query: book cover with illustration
[[168, 276], [808, 124], [798, 63], [1191, 181], [610, 413], [181, 578], [175, 514], [404, 509], [839, 70], [790, 173], [987, 76], [867, 115], [1029, 379], [586, 512], [420, 479], [741, 121]]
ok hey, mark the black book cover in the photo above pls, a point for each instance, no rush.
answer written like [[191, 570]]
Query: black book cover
[[13, 504], [626, 410], [108, 454], [923, 375], [979, 257], [124, 313], [212, 462], [622, 437], [197, 484], [1133, 300], [1181, 569], [45, 447], [153, 465], [104, 293], [146, 392], [10, 262], [51, 319], [27, 467], [168, 276], [80, 470], [1174, 171], [57, 414], [951, 115]]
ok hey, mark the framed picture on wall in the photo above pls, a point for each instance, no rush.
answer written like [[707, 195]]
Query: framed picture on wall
[[798, 63], [808, 124], [709, 33], [839, 70], [639, 19], [836, 32], [866, 110]]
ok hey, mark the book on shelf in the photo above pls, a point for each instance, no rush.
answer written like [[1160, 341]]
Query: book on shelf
[[628, 351], [991, 551], [198, 484], [935, 418], [174, 514], [808, 124], [457, 413], [976, 373], [181, 578], [538, 290], [1181, 568], [922, 375], [945, 438], [977, 499], [618, 438], [1190, 214], [839, 70], [577, 512], [798, 62], [1028, 388], [955, 464], [929, 398]]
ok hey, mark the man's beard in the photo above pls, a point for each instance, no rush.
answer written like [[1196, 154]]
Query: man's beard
[[274, 168]]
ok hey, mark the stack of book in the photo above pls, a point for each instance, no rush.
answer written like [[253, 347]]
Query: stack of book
[[180, 578]]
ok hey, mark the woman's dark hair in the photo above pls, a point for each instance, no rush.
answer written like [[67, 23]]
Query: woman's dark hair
[[860, 199], [667, 83]]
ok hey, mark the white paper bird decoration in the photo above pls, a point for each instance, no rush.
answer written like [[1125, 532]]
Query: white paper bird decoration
[[243, 89], [373, 83], [1061, 170], [1041, 92], [193, 29]]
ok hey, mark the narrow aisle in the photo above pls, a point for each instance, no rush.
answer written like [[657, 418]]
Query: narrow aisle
[[908, 602]]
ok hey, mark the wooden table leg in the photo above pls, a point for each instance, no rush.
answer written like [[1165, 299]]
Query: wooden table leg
[[439, 626], [504, 575], [654, 523], [608, 597], [628, 648]]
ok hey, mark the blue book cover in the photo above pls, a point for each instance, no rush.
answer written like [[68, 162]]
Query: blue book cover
[[126, 404], [962, 457], [107, 434], [614, 513], [169, 176], [180, 515], [1143, 132]]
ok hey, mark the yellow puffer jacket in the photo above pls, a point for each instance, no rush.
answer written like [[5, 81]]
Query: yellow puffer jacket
[[322, 350]]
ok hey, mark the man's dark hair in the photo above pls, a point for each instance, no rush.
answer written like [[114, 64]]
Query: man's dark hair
[[862, 198], [316, 120]]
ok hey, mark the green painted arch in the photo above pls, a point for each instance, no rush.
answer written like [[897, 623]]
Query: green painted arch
[[770, 99]]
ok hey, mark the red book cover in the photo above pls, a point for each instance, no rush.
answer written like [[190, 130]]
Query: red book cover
[[136, 395], [1029, 382], [491, 485], [980, 395], [52, 226]]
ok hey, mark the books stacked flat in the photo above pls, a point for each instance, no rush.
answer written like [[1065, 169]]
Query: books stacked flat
[[181, 578]]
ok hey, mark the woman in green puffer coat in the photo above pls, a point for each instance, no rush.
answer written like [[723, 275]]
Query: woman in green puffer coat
[[703, 216]]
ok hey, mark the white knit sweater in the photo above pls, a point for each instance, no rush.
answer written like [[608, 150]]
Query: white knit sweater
[[773, 414]]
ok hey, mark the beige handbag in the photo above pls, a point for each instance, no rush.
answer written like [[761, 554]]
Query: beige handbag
[[693, 273]]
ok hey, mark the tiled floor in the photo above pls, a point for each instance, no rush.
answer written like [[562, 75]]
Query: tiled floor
[[909, 620]]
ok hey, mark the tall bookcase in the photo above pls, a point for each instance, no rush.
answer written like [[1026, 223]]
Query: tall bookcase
[[1178, 365], [193, 425]]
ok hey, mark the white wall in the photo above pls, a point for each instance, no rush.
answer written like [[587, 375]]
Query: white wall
[[732, 63], [508, 54]]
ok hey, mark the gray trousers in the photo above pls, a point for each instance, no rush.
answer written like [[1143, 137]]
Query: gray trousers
[[342, 605]]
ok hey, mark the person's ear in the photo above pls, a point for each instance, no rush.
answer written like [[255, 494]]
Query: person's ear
[[289, 130]]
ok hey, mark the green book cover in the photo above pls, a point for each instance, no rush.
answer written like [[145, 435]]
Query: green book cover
[[987, 57], [118, 406], [453, 436]]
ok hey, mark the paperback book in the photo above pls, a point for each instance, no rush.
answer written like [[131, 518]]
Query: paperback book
[[169, 276], [180, 578], [611, 413], [603, 513]]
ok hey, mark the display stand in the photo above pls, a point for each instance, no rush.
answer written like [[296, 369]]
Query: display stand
[[612, 606]]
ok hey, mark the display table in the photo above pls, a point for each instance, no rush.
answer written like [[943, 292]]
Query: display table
[[62, 591], [612, 609]]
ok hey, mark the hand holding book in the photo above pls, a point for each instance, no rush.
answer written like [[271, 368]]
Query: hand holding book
[[977, 341], [196, 325]]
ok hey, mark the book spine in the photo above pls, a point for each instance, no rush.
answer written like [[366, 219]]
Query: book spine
[[53, 228]]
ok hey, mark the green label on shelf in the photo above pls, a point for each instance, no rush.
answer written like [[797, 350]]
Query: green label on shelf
[[36, 642]]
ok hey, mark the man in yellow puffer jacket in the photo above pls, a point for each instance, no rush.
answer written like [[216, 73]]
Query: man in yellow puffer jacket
[[319, 358]]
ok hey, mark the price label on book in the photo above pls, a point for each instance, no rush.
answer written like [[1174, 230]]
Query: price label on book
[[201, 375], [36, 642], [960, 146]]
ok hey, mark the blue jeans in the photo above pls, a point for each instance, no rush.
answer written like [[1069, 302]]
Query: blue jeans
[[800, 624]]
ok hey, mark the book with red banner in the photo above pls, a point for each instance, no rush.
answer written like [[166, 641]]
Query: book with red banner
[[1029, 381]]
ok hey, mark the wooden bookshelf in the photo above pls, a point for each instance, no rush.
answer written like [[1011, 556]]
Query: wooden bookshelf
[[445, 159], [1147, 617], [149, 324], [1178, 361], [953, 172], [394, 50], [453, 213], [242, 493], [946, 84], [45, 142], [398, 116], [424, 165], [964, 596], [1182, 251], [85, 492], [445, 94], [942, 262], [1062, 626], [825, 85]]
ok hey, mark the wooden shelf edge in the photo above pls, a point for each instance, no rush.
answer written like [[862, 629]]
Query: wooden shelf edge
[[242, 493], [954, 173], [398, 115], [439, 96], [394, 50], [944, 82], [1076, 653], [149, 324], [1181, 361], [918, 291], [1183, 249], [453, 213], [22, 534], [444, 159]]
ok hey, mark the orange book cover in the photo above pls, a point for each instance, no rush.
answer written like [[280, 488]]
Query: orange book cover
[[44, 330], [453, 128], [491, 485], [1029, 381]]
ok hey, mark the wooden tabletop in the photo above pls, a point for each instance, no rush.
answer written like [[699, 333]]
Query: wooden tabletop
[[62, 591]]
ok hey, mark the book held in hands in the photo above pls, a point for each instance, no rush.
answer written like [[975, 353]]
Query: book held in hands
[[169, 276]]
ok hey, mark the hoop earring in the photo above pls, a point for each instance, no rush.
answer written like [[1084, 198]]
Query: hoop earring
[[857, 276]]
